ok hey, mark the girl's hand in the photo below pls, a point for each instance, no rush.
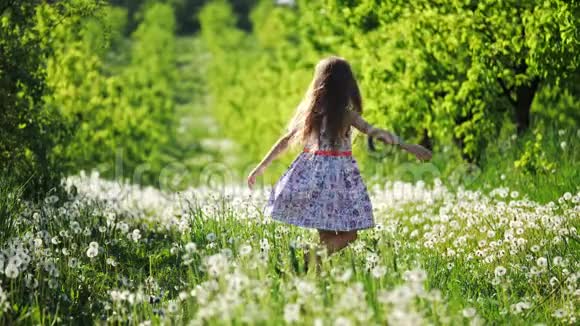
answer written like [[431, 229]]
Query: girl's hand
[[252, 177], [419, 151], [385, 137]]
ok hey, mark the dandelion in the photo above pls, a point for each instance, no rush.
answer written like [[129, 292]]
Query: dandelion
[[123, 227], [560, 313], [15, 260], [535, 248], [345, 276], [342, 321], [136, 235], [190, 247], [73, 262], [519, 307], [51, 200], [245, 250], [379, 271], [567, 196], [227, 252], [75, 227], [210, 237], [291, 313], [563, 145], [52, 283], [172, 307], [500, 271], [415, 276], [30, 281], [216, 264], [11, 271], [93, 250], [264, 244], [372, 258], [469, 312], [542, 262]]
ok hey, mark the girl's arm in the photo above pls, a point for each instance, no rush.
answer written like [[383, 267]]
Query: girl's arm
[[359, 123], [279, 147], [419, 151]]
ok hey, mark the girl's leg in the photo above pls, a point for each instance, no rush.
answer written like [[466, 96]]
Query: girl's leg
[[336, 240], [333, 241]]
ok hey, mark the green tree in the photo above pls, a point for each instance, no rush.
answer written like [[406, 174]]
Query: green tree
[[460, 68], [439, 72], [28, 129], [123, 118]]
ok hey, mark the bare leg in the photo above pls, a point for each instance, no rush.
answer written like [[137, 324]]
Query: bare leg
[[333, 241], [336, 240]]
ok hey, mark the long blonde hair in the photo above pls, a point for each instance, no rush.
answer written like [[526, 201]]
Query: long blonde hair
[[332, 92]]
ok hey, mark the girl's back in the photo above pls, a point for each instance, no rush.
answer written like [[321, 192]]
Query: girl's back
[[322, 140]]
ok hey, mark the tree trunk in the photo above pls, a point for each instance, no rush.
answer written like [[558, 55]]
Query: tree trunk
[[460, 141], [426, 141], [525, 96]]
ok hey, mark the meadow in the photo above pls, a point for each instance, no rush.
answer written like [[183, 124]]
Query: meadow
[[116, 252]]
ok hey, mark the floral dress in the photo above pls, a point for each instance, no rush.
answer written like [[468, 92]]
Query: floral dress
[[322, 189]]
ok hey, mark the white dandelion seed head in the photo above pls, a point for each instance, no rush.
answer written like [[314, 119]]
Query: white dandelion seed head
[[469, 312], [11, 271], [92, 252], [500, 271]]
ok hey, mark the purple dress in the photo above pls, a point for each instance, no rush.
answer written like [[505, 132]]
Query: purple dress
[[322, 191]]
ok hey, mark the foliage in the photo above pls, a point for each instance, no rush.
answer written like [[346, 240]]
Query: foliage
[[439, 72], [186, 12], [123, 119], [28, 129]]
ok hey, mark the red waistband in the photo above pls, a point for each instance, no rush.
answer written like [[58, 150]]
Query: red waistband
[[328, 153]]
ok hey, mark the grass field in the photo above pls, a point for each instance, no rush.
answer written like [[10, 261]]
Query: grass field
[[108, 252]]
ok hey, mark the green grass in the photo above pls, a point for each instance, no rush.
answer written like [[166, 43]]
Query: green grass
[[216, 260], [535, 163]]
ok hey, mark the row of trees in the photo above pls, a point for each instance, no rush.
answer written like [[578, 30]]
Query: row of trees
[[123, 113], [186, 13], [78, 93], [29, 129], [439, 72]]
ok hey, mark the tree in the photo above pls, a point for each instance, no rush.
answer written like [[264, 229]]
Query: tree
[[461, 68], [28, 129]]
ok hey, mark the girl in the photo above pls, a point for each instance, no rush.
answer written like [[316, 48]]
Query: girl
[[323, 188]]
